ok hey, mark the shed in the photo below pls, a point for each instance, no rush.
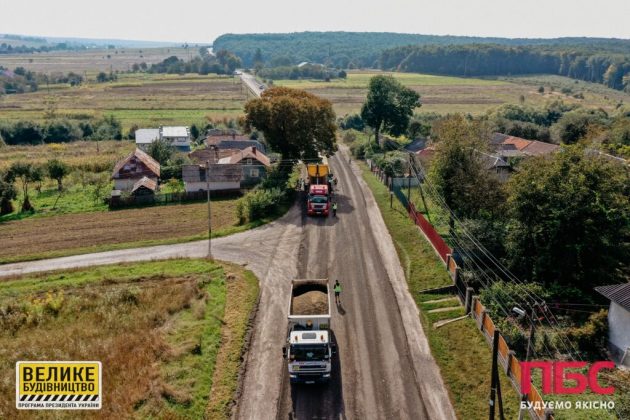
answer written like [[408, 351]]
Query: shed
[[618, 321], [144, 186]]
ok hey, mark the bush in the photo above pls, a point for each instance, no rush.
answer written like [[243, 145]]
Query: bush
[[592, 337], [260, 203]]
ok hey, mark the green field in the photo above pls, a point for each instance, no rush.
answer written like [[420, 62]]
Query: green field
[[444, 94], [143, 99]]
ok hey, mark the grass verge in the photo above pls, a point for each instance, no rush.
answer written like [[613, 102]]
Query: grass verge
[[169, 333], [459, 349]]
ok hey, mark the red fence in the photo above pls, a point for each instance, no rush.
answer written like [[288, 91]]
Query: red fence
[[429, 231]]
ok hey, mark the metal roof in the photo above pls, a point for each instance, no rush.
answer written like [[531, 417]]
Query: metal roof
[[618, 293], [175, 131], [147, 135]]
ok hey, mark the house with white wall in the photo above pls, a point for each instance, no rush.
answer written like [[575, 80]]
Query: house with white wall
[[618, 321], [177, 136]]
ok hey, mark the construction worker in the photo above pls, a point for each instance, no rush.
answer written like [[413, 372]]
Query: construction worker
[[337, 290], [334, 208]]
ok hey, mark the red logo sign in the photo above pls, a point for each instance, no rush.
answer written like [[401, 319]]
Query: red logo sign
[[554, 376]]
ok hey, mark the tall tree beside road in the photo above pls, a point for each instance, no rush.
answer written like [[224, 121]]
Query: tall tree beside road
[[570, 220], [297, 124], [389, 106], [458, 171]]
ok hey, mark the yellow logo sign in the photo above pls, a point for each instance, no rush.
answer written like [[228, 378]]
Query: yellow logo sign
[[58, 385]]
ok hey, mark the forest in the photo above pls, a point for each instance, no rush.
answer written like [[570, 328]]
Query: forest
[[609, 68], [363, 49]]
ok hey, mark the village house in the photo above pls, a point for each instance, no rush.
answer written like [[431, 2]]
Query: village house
[[225, 177], [506, 146], [231, 139], [618, 321], [178, 137], [133, 168], [254, 164], [210, 154]]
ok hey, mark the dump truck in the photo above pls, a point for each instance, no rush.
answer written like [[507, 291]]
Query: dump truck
[[309, 348], [318, 200]]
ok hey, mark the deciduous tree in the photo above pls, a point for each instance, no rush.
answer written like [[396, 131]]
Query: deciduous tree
[[389, 106], [570, 217], [7, 193], [57, 170], [295, 123], [458, 171], [25, 173]]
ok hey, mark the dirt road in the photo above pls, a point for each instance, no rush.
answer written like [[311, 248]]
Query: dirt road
[[384, 368]]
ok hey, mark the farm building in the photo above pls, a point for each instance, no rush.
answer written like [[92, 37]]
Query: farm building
[[224, 177], [136, 166], [144, 187], [618, 321], [179, 137], [254, 164]]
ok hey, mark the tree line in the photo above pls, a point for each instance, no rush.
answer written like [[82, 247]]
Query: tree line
[[59, 131], [609, 68], [363, 49], [223, 62], [24, 49], [307, 71]]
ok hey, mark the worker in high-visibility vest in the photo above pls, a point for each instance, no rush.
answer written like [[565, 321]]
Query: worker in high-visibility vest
[[337, 290], [334, 209]]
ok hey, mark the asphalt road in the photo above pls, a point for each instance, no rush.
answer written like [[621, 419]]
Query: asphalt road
[[251, 82], [384, 369]]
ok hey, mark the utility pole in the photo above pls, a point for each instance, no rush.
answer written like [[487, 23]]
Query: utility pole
[[495, 387], [209, 209]]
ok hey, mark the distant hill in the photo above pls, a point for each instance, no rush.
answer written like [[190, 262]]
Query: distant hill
[[363, 49], [50, 42]]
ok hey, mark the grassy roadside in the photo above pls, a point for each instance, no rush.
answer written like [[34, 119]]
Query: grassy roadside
[[459, 349], [169, 333], [242, 297]]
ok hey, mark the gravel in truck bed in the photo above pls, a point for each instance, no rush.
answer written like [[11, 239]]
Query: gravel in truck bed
[[310, 303]]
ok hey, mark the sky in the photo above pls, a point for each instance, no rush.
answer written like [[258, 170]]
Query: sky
[[201, 21]]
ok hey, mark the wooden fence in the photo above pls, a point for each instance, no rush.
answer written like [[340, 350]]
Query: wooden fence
[[507, 359]]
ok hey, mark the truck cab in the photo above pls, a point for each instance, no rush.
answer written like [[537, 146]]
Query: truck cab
[[309, 348], [318, 200], [309, 355]]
